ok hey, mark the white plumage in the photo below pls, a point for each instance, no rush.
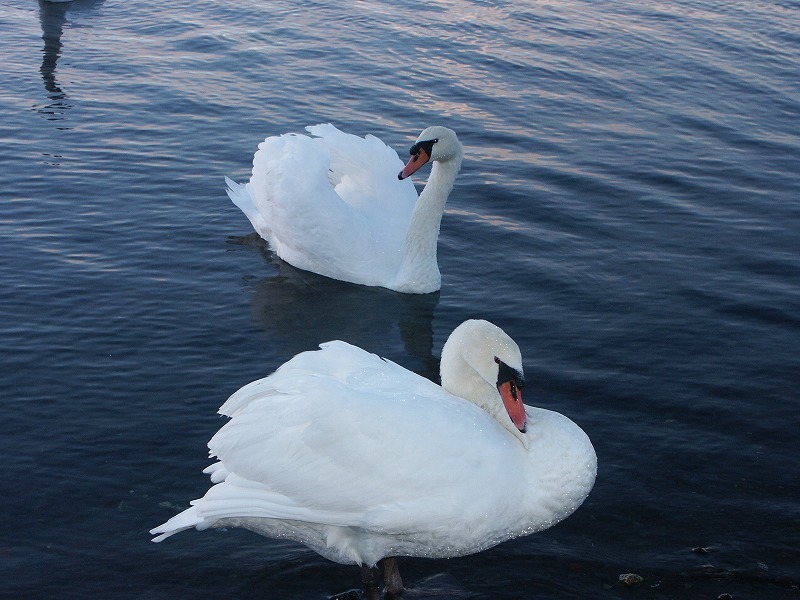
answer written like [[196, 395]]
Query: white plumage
[[361, 459], [332, 203]]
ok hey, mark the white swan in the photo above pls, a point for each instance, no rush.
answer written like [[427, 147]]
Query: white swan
[[361, 459], [335, 205]]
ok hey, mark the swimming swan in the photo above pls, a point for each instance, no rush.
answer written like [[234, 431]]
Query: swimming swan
[[333, 203], [362, 460]]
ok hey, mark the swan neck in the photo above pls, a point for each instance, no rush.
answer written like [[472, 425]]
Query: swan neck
[[464, 373], [419, 253]]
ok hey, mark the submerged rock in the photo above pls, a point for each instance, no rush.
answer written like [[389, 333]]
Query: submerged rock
[[631, 579]]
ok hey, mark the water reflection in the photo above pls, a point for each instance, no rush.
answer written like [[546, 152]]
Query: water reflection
[[52, 17], [300, 309]]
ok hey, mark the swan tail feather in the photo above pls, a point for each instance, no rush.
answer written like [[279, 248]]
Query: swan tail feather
[[240, 195], [180, 522]]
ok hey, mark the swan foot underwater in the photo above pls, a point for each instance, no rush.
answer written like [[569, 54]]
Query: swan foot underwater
[[393, 584], [363, 460], [334, 204]]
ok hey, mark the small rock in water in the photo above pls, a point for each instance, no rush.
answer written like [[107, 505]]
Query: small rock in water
[[725, 596], [631, 579]]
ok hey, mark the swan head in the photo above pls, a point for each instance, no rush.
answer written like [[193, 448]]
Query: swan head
[[482, 364], [433, 144]]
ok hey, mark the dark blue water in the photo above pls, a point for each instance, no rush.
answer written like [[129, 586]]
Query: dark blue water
[[628, 210]]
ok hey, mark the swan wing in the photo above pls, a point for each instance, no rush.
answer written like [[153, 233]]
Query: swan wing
[[360, 442], [363, 172], [330, 203]]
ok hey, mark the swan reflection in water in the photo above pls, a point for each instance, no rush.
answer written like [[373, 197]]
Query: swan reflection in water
[[300, 309], [53, 18]]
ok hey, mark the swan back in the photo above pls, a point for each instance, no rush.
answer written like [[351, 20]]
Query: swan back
[[330, 203]]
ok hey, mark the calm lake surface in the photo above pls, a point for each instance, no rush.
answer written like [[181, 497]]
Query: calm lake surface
[[628, 210]]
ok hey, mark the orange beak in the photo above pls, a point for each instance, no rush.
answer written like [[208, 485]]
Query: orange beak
[[512, 400], [414, 163]]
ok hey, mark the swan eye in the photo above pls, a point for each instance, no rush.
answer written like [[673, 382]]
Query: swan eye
[[506, 374], [427, 146]]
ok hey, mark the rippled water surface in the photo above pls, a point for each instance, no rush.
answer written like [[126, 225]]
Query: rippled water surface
[[628, 210]]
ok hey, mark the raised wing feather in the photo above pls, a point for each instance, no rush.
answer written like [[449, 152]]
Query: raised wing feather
[[352, 446], [333, 203]]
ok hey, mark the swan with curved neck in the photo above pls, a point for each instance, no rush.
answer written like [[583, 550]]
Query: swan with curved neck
[[331, 203], [364, 461], [492, 381]]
